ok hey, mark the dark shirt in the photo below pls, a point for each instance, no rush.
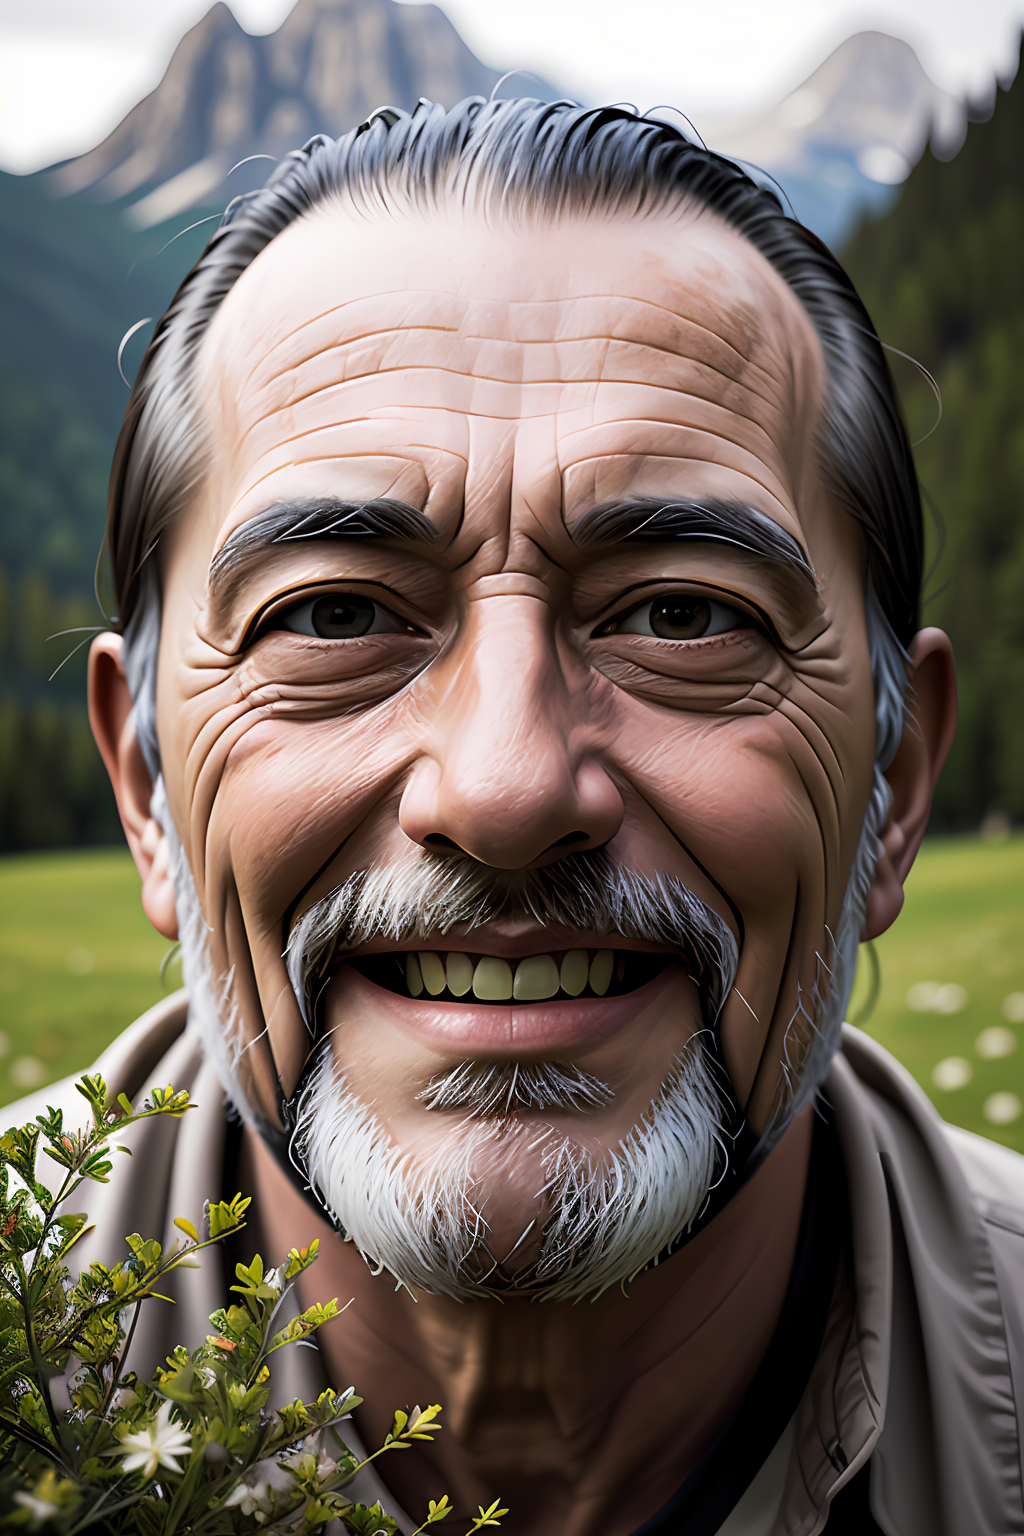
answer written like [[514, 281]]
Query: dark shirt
[[733, 1460]]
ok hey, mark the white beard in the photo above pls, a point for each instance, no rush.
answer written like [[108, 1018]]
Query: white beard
[[426, 1225]]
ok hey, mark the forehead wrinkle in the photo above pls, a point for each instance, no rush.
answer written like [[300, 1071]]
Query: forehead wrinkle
[[613, 332], [474, 382], [611, 346], [597, 458], [745, 294], [742, 319], [599, 353], [726, 400], [610, 339], [561, 461], [251, 486], [267, 357], [341, 345], [529, 309], [416, 409], [664, 424], [696, 436], [568, 306], [382, 419], [592, 381]]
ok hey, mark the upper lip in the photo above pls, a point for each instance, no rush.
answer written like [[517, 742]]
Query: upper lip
[[491, 939]]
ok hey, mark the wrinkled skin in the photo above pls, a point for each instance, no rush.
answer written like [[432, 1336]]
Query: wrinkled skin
[[504, 381]]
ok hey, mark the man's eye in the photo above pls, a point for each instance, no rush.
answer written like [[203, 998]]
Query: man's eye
[[338, 616], [681, 616]]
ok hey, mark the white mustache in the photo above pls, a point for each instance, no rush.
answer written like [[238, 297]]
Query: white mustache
[[438, 892], [484, 1089]]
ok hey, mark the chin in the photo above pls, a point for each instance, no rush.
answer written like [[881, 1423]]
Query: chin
[[509, 1200]]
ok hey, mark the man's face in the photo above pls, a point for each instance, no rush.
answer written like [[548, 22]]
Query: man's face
[[511, 687]]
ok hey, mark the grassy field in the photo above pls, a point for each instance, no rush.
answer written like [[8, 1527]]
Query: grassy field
[[951, 1004], [78, 962]]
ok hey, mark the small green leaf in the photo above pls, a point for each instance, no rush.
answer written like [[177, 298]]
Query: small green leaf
[[96, 1167], [94, 1089], [300, 1259], [489, 1516], [417, 1426], [52, 1123], [186, 1227]]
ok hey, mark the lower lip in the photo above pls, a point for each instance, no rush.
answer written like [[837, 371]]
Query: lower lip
[[497, 1029]]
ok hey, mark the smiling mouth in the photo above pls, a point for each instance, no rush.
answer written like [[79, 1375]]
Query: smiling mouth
[[559, 976]]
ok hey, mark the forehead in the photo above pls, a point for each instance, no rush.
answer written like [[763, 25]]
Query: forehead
[[427, 356]]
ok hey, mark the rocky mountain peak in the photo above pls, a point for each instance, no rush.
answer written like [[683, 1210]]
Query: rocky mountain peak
[[871, 91], [226, 96], [838, 143], [847, 135]]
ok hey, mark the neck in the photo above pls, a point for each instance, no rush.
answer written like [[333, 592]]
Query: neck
[[584, 1417]]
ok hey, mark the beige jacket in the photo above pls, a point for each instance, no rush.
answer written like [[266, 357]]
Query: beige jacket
[[922, 1364]]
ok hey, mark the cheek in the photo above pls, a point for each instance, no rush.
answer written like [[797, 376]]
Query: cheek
[[289, 797], [764, 806], [292, 796], [761, 796], [734, 810], [266, 770]]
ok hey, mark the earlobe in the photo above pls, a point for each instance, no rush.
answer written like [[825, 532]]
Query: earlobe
[[928, 729], [110, 715]]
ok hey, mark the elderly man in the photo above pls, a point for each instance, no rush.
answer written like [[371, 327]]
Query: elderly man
[[520, 713]]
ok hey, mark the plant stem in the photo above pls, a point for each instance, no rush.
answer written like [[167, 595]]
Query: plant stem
[[115, 1375], [35, 1353], [92, 1515]]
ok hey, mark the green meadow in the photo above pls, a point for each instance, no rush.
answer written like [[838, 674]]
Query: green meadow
[[78, 962], [951, 998]]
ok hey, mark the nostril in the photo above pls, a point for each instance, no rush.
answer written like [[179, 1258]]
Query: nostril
[[569, 838], [438, 840]]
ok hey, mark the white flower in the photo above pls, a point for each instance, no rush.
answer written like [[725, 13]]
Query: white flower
[[249, 1496], [325, 1467], [254, 1494], [155, 1446], [311, 1446], [43, 1509]]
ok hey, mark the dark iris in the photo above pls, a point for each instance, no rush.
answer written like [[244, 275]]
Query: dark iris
[[342, 616], [680, 617]]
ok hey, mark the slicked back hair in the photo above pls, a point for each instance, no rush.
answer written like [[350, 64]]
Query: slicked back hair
[[515, 159]]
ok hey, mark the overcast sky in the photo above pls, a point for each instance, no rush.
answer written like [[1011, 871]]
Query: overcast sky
[[71, 69]]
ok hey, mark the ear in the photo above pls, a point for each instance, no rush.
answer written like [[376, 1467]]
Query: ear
[[110, 715], [928, 728]]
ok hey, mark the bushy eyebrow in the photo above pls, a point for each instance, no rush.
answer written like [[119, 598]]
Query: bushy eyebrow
[[319, 518], [712, 521]]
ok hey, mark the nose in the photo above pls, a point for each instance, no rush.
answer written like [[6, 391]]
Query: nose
[[509, 771]]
